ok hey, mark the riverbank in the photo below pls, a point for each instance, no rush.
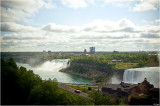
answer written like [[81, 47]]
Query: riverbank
[[97, 76], [78, 74]]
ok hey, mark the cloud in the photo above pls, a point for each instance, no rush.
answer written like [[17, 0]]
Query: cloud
[[20, 10], [135, 5], [104, 34], [149, 35], [13, 27], [59, 28], [145, 5], [157, 21], [98, 26], [119, 3], [75, 3]]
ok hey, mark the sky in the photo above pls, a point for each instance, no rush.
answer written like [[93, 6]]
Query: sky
[[75, 25]]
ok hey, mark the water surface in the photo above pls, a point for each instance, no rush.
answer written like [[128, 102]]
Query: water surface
[[50, 69]]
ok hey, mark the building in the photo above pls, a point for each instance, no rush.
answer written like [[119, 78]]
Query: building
[[85, 51], [49, 52], [92, 50], [115, 52]]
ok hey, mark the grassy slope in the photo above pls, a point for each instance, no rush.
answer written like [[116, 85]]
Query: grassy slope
[[83, 88], [122, 65]]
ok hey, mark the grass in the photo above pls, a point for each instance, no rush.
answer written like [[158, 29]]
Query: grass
[[122, 65], [77, 96], [83, 88]]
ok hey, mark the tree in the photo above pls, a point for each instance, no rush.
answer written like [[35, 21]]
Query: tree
[[98, 99]]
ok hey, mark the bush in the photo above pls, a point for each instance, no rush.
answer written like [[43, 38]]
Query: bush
[[22, 87], [89, 88]]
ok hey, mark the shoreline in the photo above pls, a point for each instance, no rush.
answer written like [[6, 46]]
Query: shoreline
[[81, 75]]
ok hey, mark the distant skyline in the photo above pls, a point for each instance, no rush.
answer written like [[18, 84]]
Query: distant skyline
[[75, 25]]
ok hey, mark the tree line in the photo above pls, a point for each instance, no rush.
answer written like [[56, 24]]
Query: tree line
[[105, 59], [20, 86]]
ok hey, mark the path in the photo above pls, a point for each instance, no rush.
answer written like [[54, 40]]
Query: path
[[85, 95]]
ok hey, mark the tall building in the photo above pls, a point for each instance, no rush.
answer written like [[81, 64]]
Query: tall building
[[85, 51], [92, 50]]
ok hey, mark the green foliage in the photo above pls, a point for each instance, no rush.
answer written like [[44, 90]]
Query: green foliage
[[122, 65], [121, 101], [141, 63], [22, 86], [84, 88], [129, 60], [68, 98], [44, 93], [152, 61], [92, 60], [98, 99], [89, 88], [16, 82], [79, 69]]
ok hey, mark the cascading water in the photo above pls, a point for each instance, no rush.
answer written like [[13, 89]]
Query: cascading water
[[137, 75], [55, 65], [50, 69]]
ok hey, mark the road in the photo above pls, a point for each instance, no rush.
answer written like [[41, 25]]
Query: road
[[85, 95]]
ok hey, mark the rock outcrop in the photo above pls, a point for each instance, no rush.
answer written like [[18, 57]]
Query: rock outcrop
[[117, 91], [135, 94], [143, 94], [96, 73]]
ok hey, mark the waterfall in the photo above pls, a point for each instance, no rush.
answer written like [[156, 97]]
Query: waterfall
[[137, 75], [55, 64], [50, 69]]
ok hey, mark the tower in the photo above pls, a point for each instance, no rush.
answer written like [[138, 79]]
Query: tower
[[92, 50], [85, 51]]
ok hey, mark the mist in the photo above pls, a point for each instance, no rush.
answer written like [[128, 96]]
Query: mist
[[50, 69]]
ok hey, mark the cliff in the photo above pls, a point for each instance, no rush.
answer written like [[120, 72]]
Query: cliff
[[143, 94], [96, 73]]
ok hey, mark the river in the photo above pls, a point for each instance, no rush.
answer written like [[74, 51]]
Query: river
[[50, 69]]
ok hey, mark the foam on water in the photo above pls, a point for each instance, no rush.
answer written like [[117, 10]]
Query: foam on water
[[50, 69]]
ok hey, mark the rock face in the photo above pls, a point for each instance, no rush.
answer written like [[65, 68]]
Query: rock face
[[117, 90], [136, 94], [96, 73], [143, 94], [91, 67]]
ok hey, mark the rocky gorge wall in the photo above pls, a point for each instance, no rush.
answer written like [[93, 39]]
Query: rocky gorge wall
[[96, 73]]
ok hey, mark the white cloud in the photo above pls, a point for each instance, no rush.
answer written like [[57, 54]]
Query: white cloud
[[139, 5], [13, 27], [59, 28], [74, 3], [135, 5], [146, 5], [119, 1], [157, 21], [20, 10], [104, 34], [98, 25]]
